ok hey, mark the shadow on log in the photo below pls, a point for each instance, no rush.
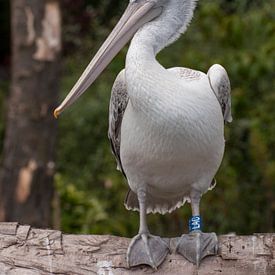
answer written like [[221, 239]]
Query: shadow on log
[[28, 251]]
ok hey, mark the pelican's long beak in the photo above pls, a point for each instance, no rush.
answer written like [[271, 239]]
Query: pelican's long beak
[[135, 16]]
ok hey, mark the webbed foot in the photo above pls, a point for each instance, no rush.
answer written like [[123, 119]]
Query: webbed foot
[[197, 245], [147, 249]]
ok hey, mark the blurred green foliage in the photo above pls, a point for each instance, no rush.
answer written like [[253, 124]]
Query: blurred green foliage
[[237, 34]]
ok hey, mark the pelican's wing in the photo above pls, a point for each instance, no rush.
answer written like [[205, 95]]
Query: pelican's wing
[[118, 103], [186, 73], [220, 85]]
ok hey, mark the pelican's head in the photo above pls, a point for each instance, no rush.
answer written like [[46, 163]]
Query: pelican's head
[[136, 15]]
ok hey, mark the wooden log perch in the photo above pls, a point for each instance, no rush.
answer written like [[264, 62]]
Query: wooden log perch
[[26, 250]]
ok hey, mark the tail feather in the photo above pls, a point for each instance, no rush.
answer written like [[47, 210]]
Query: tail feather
[[154, 204]]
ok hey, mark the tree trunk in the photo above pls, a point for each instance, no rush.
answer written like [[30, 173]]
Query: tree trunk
[[26, 178], [24, 250]]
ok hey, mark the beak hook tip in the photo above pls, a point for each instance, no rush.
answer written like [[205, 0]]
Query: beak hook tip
[[56, 113]]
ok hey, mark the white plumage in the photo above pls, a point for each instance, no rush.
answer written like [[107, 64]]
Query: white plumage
[[172, 141], [172, 130], [165, 125]]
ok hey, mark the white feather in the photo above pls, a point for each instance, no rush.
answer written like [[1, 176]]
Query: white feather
[[172, 139]]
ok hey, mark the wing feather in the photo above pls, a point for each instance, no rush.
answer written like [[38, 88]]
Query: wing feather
[[118, 103], [220, 85], [186, 73]]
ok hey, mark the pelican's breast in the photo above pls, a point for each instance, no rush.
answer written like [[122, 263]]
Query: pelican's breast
[[172, 135]]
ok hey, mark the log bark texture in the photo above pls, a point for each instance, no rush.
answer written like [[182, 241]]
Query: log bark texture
[[29, 251], [26, 178]]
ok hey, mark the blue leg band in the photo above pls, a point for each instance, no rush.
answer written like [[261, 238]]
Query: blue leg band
[[195, 223]]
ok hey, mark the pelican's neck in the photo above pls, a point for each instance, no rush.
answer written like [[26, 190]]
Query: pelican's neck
[[141, 52], [141, 68], [143, 72], [157, 34]]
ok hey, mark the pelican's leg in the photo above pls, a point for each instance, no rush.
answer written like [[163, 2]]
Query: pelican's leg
[[144, 247], [197, 245]]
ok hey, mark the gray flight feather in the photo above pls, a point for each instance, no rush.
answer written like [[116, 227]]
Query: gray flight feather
[[118, 103], [220, 85]]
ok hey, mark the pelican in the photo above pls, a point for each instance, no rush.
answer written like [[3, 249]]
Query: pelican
[[166, 126]]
